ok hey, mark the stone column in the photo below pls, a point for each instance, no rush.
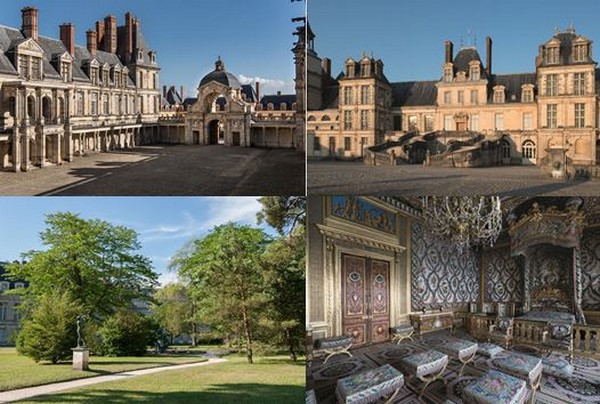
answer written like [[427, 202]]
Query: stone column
[[577, 280]]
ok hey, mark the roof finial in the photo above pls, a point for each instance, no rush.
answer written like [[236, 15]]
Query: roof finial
[[571, 28], [556, 29], [219, 65]]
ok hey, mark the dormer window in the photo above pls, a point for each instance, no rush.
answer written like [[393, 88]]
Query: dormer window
[[498, 94], [152, 56], [366, 68], [283, 106], [474, 72], [448, 74], [580, 53], [94, 75], [527, 93], [65, 71], [30, 67], [270, 106], [350, 67], [140, 55], [105, 79], [552, 55]]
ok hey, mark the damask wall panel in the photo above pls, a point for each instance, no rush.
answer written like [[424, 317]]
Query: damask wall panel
[[316, 260], [441, 276], [590, 263], [502, 276]]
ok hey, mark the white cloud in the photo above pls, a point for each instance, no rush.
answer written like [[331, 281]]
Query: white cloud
[[268, 86], [169, 277]]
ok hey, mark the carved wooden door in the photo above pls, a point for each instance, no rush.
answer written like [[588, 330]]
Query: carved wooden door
[[365, 299]]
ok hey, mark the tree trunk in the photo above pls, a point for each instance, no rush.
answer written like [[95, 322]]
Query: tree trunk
[[248, 333], [290, 341], [194, 342]]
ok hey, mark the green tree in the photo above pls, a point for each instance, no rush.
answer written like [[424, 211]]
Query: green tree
[[96, 262], [126, 333], [284, 213], [174, 310], [49, 332], [223, 270]]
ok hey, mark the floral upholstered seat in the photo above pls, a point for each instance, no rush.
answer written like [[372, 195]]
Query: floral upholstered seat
[[427, 366], [526, 367], [402, 331], [495, 387], [334, 346], [559, 336], [488, 349], [502, 331], [369, 386], [462, 350]]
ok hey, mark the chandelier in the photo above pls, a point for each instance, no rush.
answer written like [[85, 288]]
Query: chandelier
[[466, 221]]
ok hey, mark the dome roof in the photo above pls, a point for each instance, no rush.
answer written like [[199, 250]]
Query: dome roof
[[220, 75]]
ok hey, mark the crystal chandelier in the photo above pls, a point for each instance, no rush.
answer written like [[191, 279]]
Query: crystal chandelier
[[466, 221]]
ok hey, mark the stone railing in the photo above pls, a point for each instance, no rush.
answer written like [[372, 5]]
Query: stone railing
[[479, 325], [586, 339], [528, 331]]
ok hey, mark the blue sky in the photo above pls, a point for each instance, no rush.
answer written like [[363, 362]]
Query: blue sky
[[409, 35], [164, 224], [254, 38]]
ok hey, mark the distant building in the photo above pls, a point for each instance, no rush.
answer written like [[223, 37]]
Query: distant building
[[524, 115], [9, 313]]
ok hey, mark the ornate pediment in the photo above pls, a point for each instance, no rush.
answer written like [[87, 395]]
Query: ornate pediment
[[29, 47]]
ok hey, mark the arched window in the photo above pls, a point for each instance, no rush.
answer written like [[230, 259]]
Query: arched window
[[529, 150], [31, 107], [505, 149], [46, 108]]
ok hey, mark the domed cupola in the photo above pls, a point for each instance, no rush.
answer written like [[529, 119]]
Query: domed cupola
[[220, 75]]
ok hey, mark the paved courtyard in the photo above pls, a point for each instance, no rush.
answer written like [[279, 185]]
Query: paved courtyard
[[335, 177], [167, 170]]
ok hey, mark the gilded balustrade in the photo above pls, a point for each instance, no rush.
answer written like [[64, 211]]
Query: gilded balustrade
[[586, 339]]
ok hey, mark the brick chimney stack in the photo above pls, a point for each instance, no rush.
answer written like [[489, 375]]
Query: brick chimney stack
[[129, 22], [29, 27], [100, 35], [488, 50], [92, 41], [164, 91], [449, 51], [326, 66], [110, 34], [67, 37], [257, 91]]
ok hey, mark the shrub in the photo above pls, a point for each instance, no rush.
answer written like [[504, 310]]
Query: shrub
[[127, 334], [49, 331]]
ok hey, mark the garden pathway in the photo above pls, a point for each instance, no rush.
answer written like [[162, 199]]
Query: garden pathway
[[21, 394]]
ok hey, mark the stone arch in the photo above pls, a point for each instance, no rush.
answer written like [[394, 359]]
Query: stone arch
[[216, 132], [47, 108], [311, 118], [325, 118]]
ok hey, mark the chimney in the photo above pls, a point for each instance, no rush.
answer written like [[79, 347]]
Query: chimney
[[278, 92], [100, 35], [137, 26], [488, 50], [326, 66], [29, 26], [164, 91], [257, 91], [449, 56], [67, 37], [128, 36], [92, 41], [181, 94], [110, 34]]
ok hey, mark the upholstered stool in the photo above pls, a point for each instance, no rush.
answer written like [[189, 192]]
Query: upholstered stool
[[311, 398], [427, 366], [335, 346], [526, 367], [401, 332], [463, 351], [495, 387], [370, 386], [488, 349]]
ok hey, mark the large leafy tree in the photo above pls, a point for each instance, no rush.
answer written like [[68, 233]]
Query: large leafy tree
[[284, 213], [97, 263], [223, 271], [174, 310]]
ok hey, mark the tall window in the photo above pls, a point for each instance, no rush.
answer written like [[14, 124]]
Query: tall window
[[448, 122], [527, 95], [65, 71], [498, 96], [79, 103], [499, 121], [448, 74], [505, 149], [412, 122], [579, 115], [317, 144], [347, 120], [580, 53], [364, 120], [527, 121], [474, 73], [36, 68], [105, 104], [579, 83], [447, 97], [347, 143], [23, 66], [364, 95], [552, 55], [551, 113], [428, 123], [94, 75], [474, 97], [474, 122], [348, 95], [552, 85], [94, 103], [461, 97], [528, 149]]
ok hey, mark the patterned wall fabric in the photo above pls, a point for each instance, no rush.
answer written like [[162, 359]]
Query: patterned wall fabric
[[441, 276], [502, 276], [590, 263]]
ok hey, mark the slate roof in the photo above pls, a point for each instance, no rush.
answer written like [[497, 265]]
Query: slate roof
[[566, 48], [512, 84], [250, 93], [277, 100], [414, 93], [462, 59]]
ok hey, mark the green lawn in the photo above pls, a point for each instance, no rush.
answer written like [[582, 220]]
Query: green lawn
[[269, 380], [20, 371]]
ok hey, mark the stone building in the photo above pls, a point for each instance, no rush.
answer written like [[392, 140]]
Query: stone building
[[528, 115], [9, 314], [60, 100]]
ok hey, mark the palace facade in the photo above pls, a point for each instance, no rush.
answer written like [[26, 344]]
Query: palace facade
[[527, 114]]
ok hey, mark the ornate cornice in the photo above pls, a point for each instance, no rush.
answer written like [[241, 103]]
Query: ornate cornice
[[402, 206], [337, 234]]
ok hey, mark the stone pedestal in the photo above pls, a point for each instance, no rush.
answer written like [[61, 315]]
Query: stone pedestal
[[81, 358]]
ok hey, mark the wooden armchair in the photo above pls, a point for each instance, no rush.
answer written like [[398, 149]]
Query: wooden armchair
[[558, 336], [502, 331]]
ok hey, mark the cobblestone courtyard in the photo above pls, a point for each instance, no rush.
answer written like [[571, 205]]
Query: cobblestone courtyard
[[167, 170], [334, 177]]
